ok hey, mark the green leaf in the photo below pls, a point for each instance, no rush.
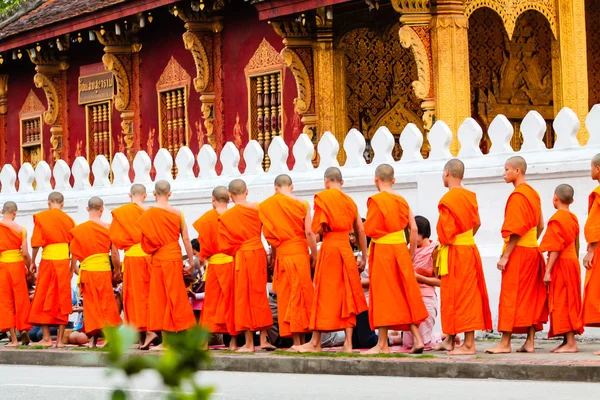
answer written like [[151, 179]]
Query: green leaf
[[119, 395]]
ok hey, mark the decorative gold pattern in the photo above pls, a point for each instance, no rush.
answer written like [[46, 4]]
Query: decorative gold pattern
[[193, 43], [410, 40], [99, 137], [511, 10], [32, 105], [303, 86], [265, 59], [411, 6], [3, 94], [113, 64], [592, 15], [51, 91]]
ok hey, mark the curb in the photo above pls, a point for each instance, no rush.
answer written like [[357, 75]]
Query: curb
[[403, 367]]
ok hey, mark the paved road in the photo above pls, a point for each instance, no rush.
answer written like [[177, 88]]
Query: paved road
[[62, 383]]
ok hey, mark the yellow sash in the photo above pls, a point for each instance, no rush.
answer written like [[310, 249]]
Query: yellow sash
[[135, 251], [56, 252], [391, 238], [529, 239], [11, 256], [94, 263], [464, 239], [216, 259]]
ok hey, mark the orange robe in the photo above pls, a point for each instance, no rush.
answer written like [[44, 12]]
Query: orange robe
[[523, 293], [99, 304], [465, 305], [339, 297], [239, 236], [14, 295], [169, 307], [124, 233], [52, 301], [564, 298], [591, 297], [394, 295], [284, 228], [218, 314]]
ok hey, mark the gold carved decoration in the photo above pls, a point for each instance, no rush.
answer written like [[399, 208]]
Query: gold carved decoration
[[303, 86], [3, 94], [592, 15], [174, 75], [408, 6], [265, 59], [50, 89], [113, 64], [410, 40], [32, 104], [511, 10], [193, 43]]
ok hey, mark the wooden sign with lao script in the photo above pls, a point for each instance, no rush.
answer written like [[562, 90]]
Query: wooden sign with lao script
[[96, 87]]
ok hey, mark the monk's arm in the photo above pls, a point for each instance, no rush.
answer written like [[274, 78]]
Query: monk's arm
[[310, 235], [589, 257], [74, 267], [412, 225], [116, 259], [540, 225], [25, 251], [552, 257], [510, 246], [185, 236], [428, 280], [476, 228], [359, 231], [34, 257]]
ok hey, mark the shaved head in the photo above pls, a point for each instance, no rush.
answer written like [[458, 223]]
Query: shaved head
[[385, 173], [283, 180], [333, 174], [56, 198], [518, 162], [565, 193], [137, 189], [9, 207], [95, 203], [596, 160], [455, 168], [237, 187], [220, 194], [162, 188]]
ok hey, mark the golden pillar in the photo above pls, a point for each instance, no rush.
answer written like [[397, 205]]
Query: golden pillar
[[3, 111], [569, 62], [450, 53]]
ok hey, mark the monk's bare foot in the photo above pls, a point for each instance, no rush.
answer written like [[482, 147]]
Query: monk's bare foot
[[59, 345], [12, 344], [160, 347], [499, 349], [246, 349], [462, 351], [445, 346], [457, 341], [309, 348], [526, 348], [568, 348], [417, 349], [150, 336], [25, 340], [377, 350], [558, 347], [293, 349], [45, 343], [597, 353], [232, 346], [267, 347]]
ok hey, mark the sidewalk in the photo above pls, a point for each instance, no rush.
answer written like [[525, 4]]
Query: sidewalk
[[540, 366]]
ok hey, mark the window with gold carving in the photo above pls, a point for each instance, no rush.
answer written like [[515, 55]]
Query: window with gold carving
[[31, 140], [173, 119], [99, 138]]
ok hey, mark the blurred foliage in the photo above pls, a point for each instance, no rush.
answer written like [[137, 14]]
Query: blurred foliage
[[7, 6], [183, 356]]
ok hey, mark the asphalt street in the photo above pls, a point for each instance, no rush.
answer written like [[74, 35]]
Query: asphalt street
[[64, 383]]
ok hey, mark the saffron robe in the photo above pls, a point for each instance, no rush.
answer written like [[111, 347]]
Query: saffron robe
[[52, 301], [465, 304], [394, 294], [99, 304], [591, 297], [283, 221], [218, 313], [124, 233], [522, 293], [14, 295], [338, 297], [169, 307], [564, 297], [239, 236]]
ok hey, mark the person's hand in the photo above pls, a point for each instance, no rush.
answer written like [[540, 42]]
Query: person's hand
[[547, 278], [502, 263], [187, 270], [33, 267], [77, 309], [588, 259], [362, 263], [117, 277], [313, 261], [419, 278]]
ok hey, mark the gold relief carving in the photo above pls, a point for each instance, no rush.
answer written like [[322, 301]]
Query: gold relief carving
[[150, 143], [511, 10], [411, 6], [113, 64], [193, 43], [208, 109], [292, 31], [592, 14], [410, 40], [79, 149], [324, 89], [56, 132], [52, 96], [238, 132], [127, 132], [265, 59], [199, 134], [173, 76], [32, 105], [3, 94], [303, 85]]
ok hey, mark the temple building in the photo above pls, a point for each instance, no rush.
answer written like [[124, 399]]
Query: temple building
[[82, 78]]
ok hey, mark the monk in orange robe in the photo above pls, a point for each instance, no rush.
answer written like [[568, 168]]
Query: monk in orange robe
[[523, 307], [287, 227], [52, 301], [14, 263], [339, 297], [563, 275], [464, 299], [91, 246], [240, 237], [395, 300], [218, 314], [591, 261], [125, 234], [162, 226]]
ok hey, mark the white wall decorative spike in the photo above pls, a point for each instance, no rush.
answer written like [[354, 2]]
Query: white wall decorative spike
[[230, 159], [207, 160], [411, 141], [163, 165], [533, 129], [253, 156], [469, 134], [141, 167], [43, 173], [328, 149], [354, 146], [303, 151], [278, 154], [382, 144], [101, 171], [8, 178], [185, 164], [566, 125], [120, 169], [81, 174], [26, 177], [592, 123], [62, 176], [501, 132], [440, 137]]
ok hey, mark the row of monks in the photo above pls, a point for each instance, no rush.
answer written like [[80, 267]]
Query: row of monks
[[236, 302]]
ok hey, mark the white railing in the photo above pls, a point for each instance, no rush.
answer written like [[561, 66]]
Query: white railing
[[418, 179]]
